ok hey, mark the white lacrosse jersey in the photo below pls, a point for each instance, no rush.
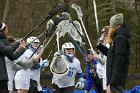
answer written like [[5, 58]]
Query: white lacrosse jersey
[[24, 74], [69, 78]]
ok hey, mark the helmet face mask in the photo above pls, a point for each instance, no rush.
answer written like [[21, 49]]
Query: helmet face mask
[[35, 45], [69, 50], [33, 41]]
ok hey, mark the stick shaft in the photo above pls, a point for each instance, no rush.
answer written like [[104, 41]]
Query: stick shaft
[[96, 18], [47, 43], [87, 36]]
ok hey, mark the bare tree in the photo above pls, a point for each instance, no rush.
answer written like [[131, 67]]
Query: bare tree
[[6, 10]]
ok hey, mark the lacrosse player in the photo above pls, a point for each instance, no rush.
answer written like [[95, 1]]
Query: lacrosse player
[[13, 66], [99, 75], [22, 77], [37, 67], [101, 66], [64, 83], [92, 76]]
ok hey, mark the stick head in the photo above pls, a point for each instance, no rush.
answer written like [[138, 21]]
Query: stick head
[[50, 23], [59, 65], [58, 8], [78, 10]]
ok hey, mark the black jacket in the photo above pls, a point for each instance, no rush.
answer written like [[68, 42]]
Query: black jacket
[[9, 51], [118, 57]]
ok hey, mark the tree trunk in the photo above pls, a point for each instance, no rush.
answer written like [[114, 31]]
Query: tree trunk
[[66, 3], [6, 10], [137, 7], [86, 15], [114, 2]]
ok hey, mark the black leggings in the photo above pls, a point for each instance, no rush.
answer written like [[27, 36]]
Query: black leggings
[[98, 84], [3, 86], [56, 89], [33, 86], [116, 89]]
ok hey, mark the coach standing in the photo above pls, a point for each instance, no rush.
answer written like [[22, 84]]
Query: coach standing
[[118, 54], [9, 51]]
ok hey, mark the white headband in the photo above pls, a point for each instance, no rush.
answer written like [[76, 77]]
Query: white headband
[[3, 25]]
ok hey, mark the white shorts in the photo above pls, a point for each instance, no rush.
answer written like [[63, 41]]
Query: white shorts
[[22, 84], [10, 82], [10, 85]]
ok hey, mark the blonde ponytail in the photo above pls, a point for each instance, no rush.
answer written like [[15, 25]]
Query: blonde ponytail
[[111, 32]]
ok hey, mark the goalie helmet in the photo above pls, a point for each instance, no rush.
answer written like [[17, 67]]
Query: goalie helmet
[[33, 42], [68, 49]]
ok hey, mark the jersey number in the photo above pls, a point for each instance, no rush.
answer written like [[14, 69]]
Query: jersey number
[[70, 73]]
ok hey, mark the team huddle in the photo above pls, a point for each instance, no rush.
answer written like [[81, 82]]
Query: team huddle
[[106, 69]]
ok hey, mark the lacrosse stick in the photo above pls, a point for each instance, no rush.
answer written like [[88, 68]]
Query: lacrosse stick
[[51, 25], [96, 18], [50, 54], [78, 48], [73, 28], [57, 21], [57, 39], [42, 50], [59, 65], [79, 12], [56, 9], [75, 24]]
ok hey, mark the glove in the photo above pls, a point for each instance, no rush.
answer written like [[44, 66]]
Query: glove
[[80, 83], [44, 64], [86, 91], [39, 88]]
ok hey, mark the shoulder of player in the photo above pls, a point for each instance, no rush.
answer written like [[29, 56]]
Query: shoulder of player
[[28, 51], [76, 60]]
